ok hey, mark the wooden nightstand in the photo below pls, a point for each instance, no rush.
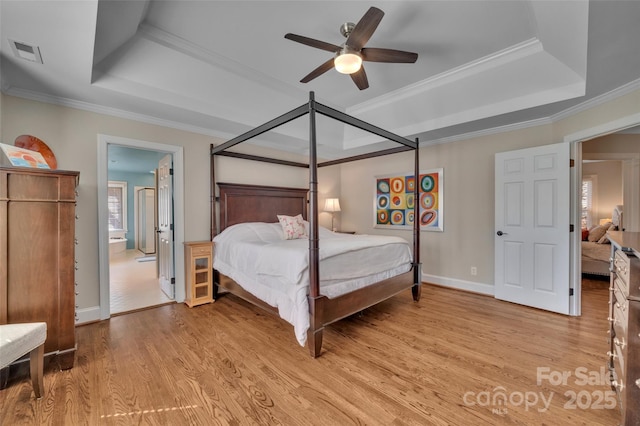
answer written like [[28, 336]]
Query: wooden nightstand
[[198, 266]]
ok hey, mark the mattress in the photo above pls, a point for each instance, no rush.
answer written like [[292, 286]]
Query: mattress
[[275, 270]]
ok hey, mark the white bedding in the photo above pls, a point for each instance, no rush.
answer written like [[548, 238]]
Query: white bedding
[[595, 258], [275, 270]]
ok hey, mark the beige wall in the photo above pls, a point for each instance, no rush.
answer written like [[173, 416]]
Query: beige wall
[[447, 256], [467, 240], [617, 143], [609, 186]]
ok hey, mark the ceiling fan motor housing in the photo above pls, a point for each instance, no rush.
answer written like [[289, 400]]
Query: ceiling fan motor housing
[[346, 28]]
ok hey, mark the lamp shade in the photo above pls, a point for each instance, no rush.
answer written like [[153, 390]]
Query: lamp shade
[[332, 205], [347, 63]]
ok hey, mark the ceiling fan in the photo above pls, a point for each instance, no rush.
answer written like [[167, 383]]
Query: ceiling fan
[[350, 55]]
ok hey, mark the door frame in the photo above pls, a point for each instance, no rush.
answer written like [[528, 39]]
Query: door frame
[[103, 212], [575, 275]]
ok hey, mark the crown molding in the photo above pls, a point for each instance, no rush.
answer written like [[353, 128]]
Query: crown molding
[[488, 132], [598, 100], [113, 112], [513, 53], [99, 109]]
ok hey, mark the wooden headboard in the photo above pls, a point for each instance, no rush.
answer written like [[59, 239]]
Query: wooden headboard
[[256, 203]]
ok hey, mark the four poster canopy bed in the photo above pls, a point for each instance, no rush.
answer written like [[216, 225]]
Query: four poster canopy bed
[[270, 250]]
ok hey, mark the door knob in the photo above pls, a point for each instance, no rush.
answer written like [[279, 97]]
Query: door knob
[[500, 233]]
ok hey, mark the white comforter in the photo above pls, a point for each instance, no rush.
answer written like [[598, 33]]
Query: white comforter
[[275, 270]]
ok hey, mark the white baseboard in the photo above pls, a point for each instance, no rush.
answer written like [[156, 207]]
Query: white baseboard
[[87, 315], [475, 287]]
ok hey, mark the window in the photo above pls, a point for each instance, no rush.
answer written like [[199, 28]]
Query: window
[[117, 203], [588, 202]]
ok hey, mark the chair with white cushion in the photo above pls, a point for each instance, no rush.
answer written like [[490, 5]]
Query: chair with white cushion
[[17, 340]]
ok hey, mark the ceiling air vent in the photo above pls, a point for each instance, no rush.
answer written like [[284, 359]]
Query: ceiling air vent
[[26, 51]]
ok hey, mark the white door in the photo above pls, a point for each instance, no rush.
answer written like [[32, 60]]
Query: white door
[[532, 209], [165, 227]]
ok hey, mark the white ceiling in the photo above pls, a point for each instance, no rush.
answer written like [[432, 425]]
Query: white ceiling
[[223, 67]]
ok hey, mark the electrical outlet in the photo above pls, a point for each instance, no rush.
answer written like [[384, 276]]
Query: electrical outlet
[[474, 270]]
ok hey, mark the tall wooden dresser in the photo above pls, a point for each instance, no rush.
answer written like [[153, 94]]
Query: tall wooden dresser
[[624, 316], [37, 254]]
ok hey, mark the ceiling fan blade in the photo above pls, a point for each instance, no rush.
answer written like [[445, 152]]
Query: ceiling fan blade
[[318, 71], [373, 54], [313, 42], [364, 29], [360, 79]]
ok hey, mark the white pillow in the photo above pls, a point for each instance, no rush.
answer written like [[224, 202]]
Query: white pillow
[[292, 227], [598, 232]]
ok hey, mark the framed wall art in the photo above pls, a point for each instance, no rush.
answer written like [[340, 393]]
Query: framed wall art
[[395, 199]]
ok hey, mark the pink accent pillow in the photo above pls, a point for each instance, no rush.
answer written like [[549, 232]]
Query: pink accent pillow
[[292, 226]]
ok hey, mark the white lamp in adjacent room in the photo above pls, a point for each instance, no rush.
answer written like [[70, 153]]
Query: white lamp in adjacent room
[[332, 205]]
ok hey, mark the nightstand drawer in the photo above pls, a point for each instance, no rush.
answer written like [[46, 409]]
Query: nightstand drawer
[[201, 250]]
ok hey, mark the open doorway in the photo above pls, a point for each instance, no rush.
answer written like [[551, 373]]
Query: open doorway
[[132, 270], [623, 126], [609, 175], [131, 201]]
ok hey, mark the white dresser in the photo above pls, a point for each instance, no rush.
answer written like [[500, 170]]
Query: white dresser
[[624, 317]]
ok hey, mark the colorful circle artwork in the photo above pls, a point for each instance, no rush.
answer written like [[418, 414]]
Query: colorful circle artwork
[[397, 217], [383, 217], [383, 201], [396, 201], [427, 183], [411, 184], [383, 186], [427, 217], [427, 201], [409, 217], [410, 201], [397, 184]]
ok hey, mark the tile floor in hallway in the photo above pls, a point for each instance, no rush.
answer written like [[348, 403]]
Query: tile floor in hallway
[[133, 284]]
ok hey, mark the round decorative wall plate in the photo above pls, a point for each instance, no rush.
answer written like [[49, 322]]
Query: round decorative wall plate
[[34, 144]]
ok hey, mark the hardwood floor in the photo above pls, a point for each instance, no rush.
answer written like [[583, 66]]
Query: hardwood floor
[[443, 361]]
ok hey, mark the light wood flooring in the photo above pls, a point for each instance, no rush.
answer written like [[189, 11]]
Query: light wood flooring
[[133, 285], [442, 361]]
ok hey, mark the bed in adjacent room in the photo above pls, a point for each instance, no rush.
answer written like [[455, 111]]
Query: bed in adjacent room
[[271, 251], [595, 246], [595, 258]]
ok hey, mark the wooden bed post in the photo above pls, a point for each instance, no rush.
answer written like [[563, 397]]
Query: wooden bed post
[[214, 226], [212, 193], [314, 335], [416, 290]]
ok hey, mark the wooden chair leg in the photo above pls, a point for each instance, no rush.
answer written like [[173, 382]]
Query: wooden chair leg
[[36, 364]]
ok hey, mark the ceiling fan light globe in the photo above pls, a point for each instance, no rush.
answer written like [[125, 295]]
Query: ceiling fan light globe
[[348, 63]]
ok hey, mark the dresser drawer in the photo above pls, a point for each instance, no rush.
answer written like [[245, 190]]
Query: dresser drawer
[[620, 306], [621, 266], [633, 283], [618, 366]]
